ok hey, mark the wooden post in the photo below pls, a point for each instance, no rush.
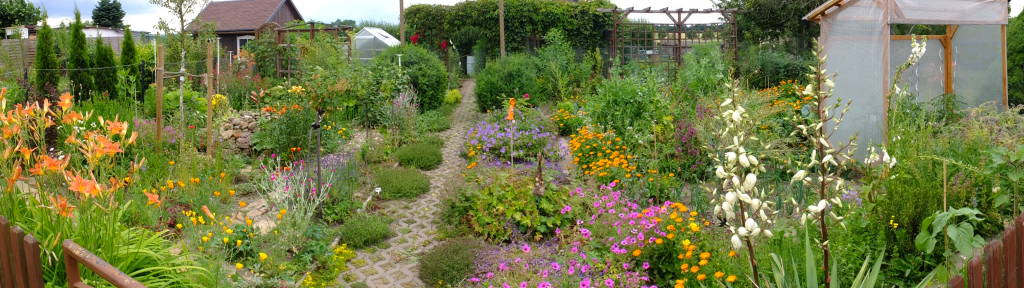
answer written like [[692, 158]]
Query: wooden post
[[401, 21], [33, 265], [947, 47], [539, 189], [1006, 87], [159, 93], [209, 95], [6, 259], [994, 262], [1012, 261], [974, 274], [20, 273], [501, 26]]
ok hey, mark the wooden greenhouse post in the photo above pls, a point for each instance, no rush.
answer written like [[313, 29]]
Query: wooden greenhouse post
[[209, 99], [401, 21], [159, 93]]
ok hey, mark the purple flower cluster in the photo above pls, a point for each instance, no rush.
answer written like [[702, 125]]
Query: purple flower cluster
[[146, 130], [497, 144]]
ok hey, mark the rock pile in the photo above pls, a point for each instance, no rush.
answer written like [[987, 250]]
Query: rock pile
[[237, 132]]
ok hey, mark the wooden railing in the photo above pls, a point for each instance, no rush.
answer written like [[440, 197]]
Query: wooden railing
[[1002, 264], [20, 265]]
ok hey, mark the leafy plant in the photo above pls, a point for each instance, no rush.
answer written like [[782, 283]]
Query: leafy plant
[[509, 206], [432, 121], [453, 96], [957, 225], [450, 262], [364, 230], [426, 73], [508, 77], [396, 183], [424, 156]]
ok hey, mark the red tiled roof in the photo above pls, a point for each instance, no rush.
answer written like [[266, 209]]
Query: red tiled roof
[[237, 15]]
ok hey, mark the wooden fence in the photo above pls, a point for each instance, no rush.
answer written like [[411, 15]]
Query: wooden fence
[[20, 265], [1002, 264]]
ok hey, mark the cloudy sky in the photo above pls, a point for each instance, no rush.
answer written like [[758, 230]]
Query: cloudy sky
[[143, 16]]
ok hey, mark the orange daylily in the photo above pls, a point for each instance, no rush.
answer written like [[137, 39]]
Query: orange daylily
[[2, 92], [65, 101], [72, 117], [60, 204], [152, 198], [15, 175], [117, 128], [84, 186], [26, 153], [511, 109]]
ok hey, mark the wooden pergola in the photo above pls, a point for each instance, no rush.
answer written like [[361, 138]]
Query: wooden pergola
[[677, 39]]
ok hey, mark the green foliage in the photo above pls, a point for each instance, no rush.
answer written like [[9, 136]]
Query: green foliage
[[956, 225], [450, 262], [78, 61], [399, 182], [630, 106], [561, 74], [15, 92], [764, 66], [704, 75], [46, 75], [507, 206], [424, 156], [788, 274], [433, 121], [291, 129], [426, 73], [505, 78], [364, 230], [104, 71], [773, 21], [453, 97], [1015, 60], [387, 82], [526, 20], [18, 12], [130, 61], [108, 13], [265, 53]]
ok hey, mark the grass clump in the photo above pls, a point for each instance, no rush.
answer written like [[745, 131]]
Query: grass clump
[[399, 182], [424, 155], [364, 230], [450, 262], [433, 121]]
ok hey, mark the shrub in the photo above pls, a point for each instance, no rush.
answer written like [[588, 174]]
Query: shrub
[[508, 77], [764, 66], [364, 230], [450, 262], [1015, 60], [400, 182], [507, 206], [432, 121], [291, 129], [704, 74], [500, 142], [426, 73], [453, 97], [630, 106], [425, 156], [568, 118]]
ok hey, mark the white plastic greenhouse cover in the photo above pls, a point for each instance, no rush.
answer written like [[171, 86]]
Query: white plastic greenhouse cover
[[855, 36]]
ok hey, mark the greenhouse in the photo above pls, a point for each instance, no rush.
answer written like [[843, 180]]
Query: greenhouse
[[370, 41], [968, 60]]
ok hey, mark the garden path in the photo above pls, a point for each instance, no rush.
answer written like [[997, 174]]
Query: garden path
[[394, 264]]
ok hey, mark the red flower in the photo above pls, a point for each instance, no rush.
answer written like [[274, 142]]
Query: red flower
[[444, 45], [415, 39]]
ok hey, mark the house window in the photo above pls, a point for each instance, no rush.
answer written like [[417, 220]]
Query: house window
[[242, 40]]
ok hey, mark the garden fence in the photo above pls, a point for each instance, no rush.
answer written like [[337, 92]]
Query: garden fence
[[1002, 264], [20, 265]]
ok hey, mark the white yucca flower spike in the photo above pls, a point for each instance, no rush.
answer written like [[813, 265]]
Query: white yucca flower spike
[[799, 176], [744, 161], [809, 90], [720, 172], [749, 181], [736, 243]]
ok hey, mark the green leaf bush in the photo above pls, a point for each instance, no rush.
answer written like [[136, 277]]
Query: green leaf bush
[[505, 78], [425, 70], [400, 182], [364, 230], [450, 262], [508, 206], [424, 156]]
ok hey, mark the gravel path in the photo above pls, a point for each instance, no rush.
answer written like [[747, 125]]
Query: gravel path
[[395, 263]]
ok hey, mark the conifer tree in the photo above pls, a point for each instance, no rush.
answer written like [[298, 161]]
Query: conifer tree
[[78, 61], [130, 62], [46, 74], [104, 72]]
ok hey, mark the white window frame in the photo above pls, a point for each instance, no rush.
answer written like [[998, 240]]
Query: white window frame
[[238, 41]]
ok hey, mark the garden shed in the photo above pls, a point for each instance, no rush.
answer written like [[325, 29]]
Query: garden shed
[[968, 59], [370, 41]]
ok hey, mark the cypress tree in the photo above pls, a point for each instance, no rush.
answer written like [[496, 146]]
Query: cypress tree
[[78, 59], [104, 74], [130, 63], [46, 76]]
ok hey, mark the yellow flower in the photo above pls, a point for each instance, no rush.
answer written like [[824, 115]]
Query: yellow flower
[[178, 225], [229, 231], [730, 279], [238, 243], [225, 240], [636, 253], [171, 163], [296, 89], [732, 253], [239, 266], [206, 239], [231, 192], [263, 256], [242, 204], [719, 274], [701, 277]]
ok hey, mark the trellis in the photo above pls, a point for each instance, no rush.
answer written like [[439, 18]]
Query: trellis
[[654, 42]]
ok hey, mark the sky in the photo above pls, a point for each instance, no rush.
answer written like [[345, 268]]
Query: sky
[[142, 16]]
